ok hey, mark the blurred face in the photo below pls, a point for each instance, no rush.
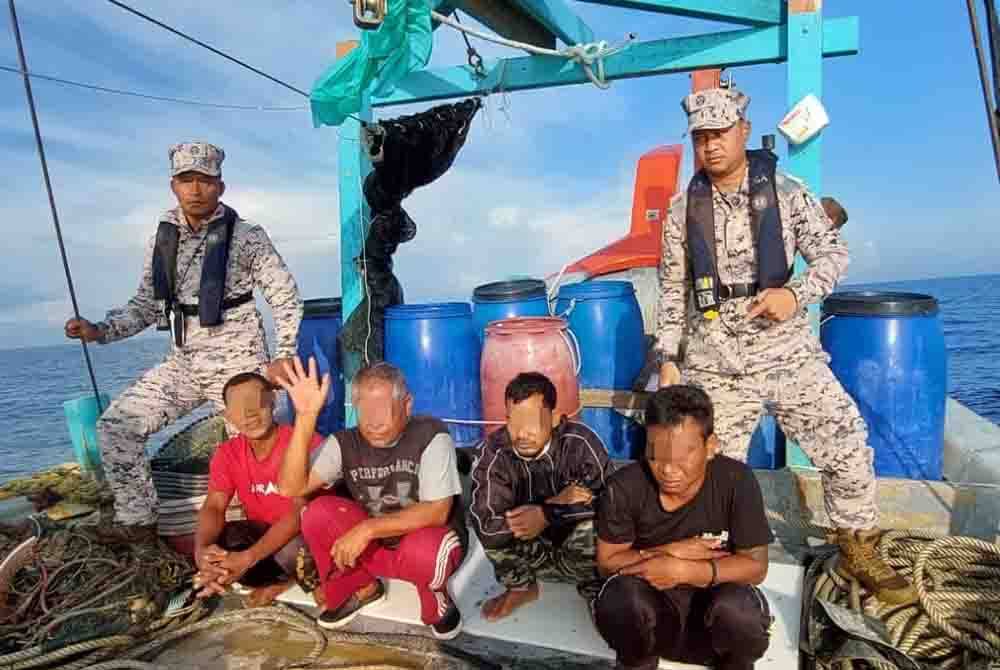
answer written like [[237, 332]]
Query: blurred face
[[722, 152], [197, 194], [381, 418], [677, 456], [530, 425], [249, 407]]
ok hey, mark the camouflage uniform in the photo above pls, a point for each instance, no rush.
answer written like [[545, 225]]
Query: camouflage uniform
[[752, 366], [521, 563], [195, 373]]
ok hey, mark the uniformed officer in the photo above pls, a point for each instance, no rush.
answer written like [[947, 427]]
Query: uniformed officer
[[733, 319], [200, 270]]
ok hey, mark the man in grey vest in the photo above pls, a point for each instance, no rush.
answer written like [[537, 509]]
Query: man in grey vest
[[732, 319], [403, 518], [200, 270]]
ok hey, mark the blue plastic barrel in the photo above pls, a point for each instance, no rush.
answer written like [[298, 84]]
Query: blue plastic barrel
[[508, 299], [887, 349], [606, 319], [437, 348], [81, 419], [321, 324]]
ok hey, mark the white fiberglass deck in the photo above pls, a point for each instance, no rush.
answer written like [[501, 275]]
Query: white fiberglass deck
[[559, 619]]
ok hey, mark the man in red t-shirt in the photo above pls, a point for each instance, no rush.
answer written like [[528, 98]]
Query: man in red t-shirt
[[260, 552]]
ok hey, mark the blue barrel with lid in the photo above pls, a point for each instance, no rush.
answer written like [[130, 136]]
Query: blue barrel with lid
[[437, 348], [506, 300], [888, 351], [318, 332], [606, 319]]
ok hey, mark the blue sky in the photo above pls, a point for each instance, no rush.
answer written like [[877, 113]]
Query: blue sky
[[542, 182]]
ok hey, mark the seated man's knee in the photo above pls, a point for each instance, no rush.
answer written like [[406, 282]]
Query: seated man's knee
[[624, 598], [331, 513], [739, 619], [625, 612]]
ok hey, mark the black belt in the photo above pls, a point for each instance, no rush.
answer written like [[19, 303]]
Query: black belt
[[731, 291], [228, 303]]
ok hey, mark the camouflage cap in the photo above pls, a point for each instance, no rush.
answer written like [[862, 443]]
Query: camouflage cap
[[196, 157], [715, 108]]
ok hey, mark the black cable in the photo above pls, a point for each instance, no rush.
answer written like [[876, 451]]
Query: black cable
[[163, 25], [993, 34], [160, 98], [146, 17], [987, 96], [48, 188]]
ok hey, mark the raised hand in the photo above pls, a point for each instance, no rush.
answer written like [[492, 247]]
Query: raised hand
[[305, 388]]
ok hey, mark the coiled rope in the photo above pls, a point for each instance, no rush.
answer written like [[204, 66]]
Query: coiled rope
[[957, 580]]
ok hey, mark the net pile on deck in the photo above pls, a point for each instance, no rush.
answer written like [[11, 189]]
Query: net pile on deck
[[68, 483], [67, 594], [954, 624]]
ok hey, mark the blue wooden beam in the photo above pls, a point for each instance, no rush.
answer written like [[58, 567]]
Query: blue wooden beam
[[805, 75], [732, 48], [558, 17], [741, 12]]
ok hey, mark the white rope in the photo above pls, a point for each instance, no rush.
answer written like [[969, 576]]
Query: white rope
[[586, 55]]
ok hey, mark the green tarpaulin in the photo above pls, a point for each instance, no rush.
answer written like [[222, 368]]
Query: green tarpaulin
[[399, 46]]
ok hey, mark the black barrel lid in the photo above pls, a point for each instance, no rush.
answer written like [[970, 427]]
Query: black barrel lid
[[880, 303], [318, 307], [514, 289]]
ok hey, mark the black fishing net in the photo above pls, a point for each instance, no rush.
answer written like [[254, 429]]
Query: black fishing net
[[407, 153]]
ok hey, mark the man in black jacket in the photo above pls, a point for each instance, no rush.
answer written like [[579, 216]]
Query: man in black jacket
[[532, 497]]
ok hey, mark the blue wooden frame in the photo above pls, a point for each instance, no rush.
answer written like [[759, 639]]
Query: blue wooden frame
[[733, 48], [739, 12], [557, 16], [800, 38]]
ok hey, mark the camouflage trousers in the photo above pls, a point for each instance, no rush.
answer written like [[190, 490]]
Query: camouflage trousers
[[813, 409], [184, 381], [525, 562]]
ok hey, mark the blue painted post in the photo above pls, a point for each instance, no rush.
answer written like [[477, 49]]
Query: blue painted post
[[805, 76], [353, 167]]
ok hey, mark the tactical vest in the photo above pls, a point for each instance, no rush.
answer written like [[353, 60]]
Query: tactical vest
[[211, 294], [387, 480], [773, 268]]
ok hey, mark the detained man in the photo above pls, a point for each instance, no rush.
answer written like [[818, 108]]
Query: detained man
[[533, 497], [682, 537], [261, 552], [403, 517]]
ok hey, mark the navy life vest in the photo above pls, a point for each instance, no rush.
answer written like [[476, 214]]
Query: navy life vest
[[212, 292], [773, 268]]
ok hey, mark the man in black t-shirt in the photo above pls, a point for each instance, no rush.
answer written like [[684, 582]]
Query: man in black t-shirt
[[682, 537]]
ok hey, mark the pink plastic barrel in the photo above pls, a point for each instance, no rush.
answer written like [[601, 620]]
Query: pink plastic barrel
[[529, 344]]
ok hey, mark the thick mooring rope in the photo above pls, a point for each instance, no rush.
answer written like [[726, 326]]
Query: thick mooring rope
[[957, 580]]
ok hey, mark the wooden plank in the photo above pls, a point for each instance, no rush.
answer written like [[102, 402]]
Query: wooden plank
[[804, 76], [731, 48], [509, 20], [803, 6], [353, 167], [559, 18], [740, 12], [613, 399]]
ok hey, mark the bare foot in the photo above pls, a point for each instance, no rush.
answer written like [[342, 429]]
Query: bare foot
[[504, 604], [262, 596]]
